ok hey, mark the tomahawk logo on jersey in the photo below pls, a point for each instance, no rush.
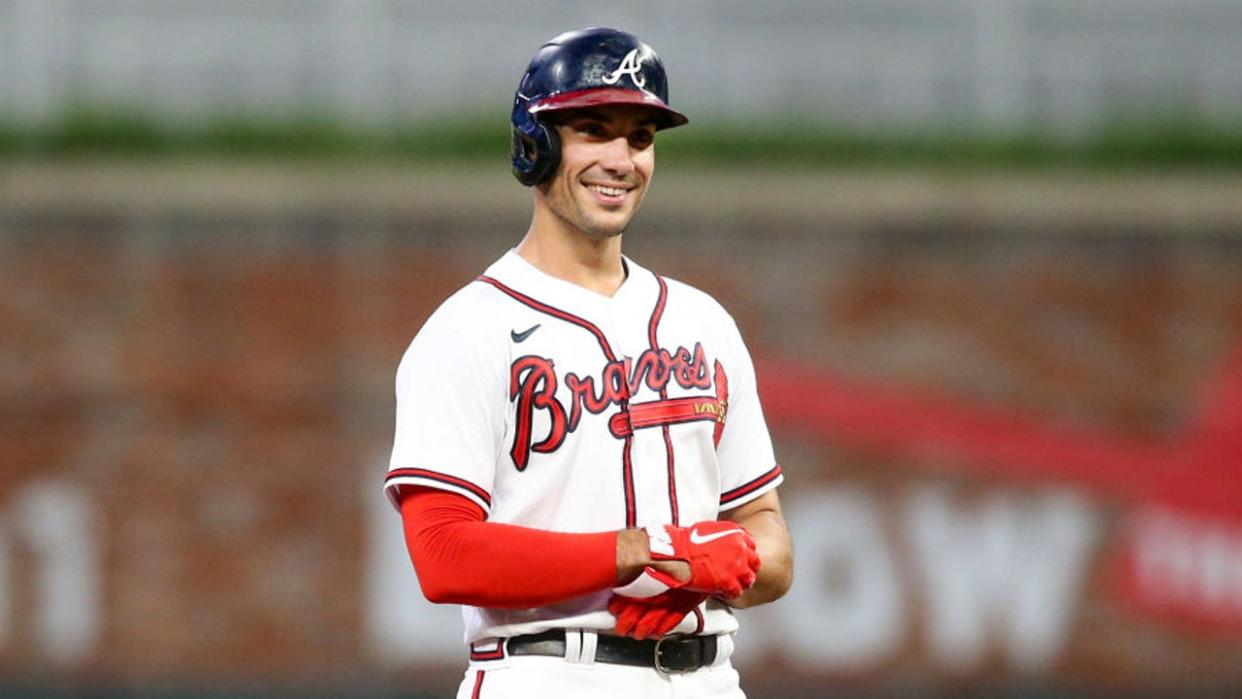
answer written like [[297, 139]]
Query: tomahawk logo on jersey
[[591, 413]]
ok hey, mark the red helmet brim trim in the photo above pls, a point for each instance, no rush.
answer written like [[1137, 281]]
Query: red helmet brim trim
[[596, 97]]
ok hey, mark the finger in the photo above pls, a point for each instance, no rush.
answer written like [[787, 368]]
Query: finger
[[647, 625], [644, 626], [616, 604], [629, 617], [668, 623], [626, 622]]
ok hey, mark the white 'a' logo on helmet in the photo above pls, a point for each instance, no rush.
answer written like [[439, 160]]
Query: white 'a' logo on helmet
[[632, 66]]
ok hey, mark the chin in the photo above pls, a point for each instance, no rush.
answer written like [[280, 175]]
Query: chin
[[603, 232], [604, 227], [595, 223]]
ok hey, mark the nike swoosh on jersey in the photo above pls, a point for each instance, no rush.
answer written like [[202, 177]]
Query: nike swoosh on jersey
[[696, 538], [521, 336]]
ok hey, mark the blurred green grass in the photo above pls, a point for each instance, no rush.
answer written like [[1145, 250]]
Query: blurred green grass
[[1122, 143]]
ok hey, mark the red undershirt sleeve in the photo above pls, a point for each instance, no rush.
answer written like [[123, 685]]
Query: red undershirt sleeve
[[462, 559]]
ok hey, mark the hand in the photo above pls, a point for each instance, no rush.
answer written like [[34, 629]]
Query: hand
[[721, 555], [653, 617]]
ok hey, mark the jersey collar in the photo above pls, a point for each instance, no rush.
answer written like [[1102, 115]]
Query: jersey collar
[[515, 272]]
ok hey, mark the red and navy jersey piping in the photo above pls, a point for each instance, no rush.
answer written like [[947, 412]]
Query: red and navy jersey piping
[[554, 312], [653, 326], [440, 478], [740, 492]]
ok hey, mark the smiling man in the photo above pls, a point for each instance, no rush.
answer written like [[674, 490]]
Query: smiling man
[[580, 458], [607, 158]]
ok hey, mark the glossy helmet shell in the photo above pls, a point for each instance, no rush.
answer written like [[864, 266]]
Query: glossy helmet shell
[[591, 67]]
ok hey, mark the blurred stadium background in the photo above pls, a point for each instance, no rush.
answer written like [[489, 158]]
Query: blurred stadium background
[[988, 254]]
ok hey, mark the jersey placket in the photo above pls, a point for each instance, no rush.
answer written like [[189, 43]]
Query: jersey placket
[[641, 317], [611, 310]]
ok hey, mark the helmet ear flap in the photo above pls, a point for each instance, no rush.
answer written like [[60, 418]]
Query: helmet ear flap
[[536, 152]]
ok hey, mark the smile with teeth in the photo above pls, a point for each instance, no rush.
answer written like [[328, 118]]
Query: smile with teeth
[[607, 191]]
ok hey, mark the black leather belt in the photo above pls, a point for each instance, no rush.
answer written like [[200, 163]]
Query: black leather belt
[[669, 654]]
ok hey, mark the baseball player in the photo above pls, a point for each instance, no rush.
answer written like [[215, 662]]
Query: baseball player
[[581, 460]]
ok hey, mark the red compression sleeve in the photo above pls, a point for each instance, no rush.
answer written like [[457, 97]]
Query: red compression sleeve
[[462, 559]]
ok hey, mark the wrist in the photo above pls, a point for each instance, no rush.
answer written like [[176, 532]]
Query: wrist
[[644, 566], [633, 554], [660, 551]]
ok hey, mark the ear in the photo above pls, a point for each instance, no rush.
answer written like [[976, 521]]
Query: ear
[[552, 155], [536, 152]]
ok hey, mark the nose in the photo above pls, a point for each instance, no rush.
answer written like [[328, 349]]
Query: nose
[[617, 158]]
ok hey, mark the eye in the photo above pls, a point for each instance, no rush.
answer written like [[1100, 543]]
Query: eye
[[642, 138], [591, 128]]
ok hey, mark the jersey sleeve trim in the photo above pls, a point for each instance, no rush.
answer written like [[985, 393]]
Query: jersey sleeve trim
[[752, 489], [434, 479]]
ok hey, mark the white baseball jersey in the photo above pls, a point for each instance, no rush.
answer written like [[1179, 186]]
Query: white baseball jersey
[[554, 407]]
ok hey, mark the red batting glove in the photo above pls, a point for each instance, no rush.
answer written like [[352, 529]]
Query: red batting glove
[[653, 617], [721, 555]]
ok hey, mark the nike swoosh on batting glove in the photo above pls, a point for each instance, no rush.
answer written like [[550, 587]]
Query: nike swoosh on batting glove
[[721, 556]]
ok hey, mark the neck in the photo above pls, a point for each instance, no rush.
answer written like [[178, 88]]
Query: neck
[[560, 250]]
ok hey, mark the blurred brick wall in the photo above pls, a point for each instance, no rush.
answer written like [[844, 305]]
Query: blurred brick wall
[[211, 355]]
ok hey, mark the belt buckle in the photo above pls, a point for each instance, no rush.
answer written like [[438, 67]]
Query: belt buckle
[[660, 666]]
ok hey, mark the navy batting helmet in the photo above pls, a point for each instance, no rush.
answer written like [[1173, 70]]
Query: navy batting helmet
[[594, 66]]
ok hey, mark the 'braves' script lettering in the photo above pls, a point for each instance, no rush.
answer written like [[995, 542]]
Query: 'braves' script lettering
[[532, 382], [655, 367]]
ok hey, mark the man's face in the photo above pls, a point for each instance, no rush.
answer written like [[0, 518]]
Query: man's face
[[607, 159]]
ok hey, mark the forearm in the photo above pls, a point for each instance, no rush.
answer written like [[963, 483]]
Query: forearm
[[775, 547], [461, 559]]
